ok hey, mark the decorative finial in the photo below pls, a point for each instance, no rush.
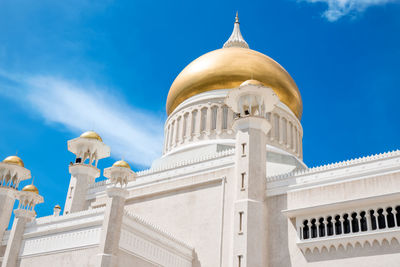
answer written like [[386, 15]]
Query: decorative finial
[[236, 38]]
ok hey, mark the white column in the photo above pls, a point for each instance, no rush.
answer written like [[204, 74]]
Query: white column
[[325, 222], [111, 229], [176, 132], [350, 218], [15, 239], [384, 213], [219, 121], [171, 141], [334, 225], [229, 119], [341, 224], [209, 120], [189, 126], [82, 176], [198, 123], [358, 218], [368, 220], [7, 200], [180, 130]]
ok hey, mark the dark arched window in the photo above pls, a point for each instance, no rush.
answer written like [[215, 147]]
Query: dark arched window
[[313, 229], [321, 227], [373, 219], [381, 219], [329, 226], [354, 223], [346, 223], [306, 230], [398, 215], [363, 221], [338, 225], [390, 217]]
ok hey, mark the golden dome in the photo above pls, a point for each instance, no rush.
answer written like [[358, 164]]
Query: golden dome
[[57, 207], [31, 188], [228, 68], [14, 160], [252, 82], [121, 163], [91, 135]]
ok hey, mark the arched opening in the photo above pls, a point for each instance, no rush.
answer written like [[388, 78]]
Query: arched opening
[[398, 215], [329, 226], [363, 221], [313, 228], [390, 217], [373, 219], [346, 224], [321, 227], [338, 225], [306, 230], [381, 219], [354, 223]]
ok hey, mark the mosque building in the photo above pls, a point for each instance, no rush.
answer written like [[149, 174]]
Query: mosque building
[[230, 190]]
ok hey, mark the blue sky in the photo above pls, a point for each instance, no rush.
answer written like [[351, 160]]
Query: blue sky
[[71, 66]]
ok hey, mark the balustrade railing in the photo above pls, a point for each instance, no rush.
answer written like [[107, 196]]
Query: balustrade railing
[[349, 222]]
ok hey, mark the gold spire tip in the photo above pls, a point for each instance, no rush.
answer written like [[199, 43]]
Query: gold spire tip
[[237, 17]]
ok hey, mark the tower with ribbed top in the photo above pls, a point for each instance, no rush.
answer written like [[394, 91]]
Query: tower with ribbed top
[[88, 149]]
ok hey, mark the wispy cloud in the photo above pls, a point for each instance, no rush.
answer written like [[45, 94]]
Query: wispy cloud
[[133, 134], [339, 8]]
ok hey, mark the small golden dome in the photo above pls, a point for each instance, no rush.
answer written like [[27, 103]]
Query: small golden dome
[[57, 207], [14, 160], [252, 82], [121, 163], [91, 135], [228, 68], [31, 188]]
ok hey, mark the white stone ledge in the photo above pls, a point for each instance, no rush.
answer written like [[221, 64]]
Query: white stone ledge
[[342, 206], [362, 168], [170, 179]]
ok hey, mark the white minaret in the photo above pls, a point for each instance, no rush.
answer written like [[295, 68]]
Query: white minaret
[[250, 102], [88, 149], [119, 174], [12, 172], [28, 198]]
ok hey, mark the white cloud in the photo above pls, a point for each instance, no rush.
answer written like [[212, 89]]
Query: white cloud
[[339, 8], [134, 134]]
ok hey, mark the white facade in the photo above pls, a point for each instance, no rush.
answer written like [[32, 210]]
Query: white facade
[[230, 190]]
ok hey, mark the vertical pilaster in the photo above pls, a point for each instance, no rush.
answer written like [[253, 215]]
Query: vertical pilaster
[[219, 122], [14, 242], [189, 126], [111, 229], [82, 175], [209, 120], [7, 200], [250, 218]]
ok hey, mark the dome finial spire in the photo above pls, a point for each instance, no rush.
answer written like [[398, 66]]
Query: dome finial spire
[[236, 38]]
